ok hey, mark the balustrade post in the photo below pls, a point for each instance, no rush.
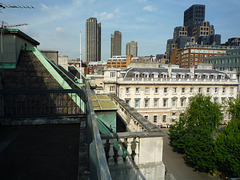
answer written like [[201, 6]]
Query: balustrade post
[[111, 152], [120, 152], [129, 151], [136, 158], [104, 143]]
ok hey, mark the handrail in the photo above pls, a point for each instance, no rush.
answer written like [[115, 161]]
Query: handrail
[[98, 163], [41, 103], [54, 73]]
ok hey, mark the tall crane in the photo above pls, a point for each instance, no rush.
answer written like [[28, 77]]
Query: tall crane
[[3, 6]]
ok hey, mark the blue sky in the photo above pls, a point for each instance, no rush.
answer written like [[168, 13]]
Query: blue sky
[[56, 24]]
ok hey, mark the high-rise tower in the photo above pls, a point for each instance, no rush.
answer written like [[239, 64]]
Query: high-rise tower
[[116, 44], [93, 40], [132, 48], [194, 15]]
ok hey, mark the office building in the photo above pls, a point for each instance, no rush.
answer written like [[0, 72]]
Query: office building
[[132, 48], [228, 62], [93, 40], [194, 16], [179, 32], [116, 44], [119, 61], [193, 55], [233, 42]]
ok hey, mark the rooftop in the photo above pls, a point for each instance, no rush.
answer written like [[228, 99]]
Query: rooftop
[[103, 103], [21, 34]]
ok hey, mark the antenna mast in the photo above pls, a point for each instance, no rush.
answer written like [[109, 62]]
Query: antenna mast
[[80, 57]]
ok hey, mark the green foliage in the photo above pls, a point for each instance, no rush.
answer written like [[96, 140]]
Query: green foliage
[[193, 134], [227, 145]]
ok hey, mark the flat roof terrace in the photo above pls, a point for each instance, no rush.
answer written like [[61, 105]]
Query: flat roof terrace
[[42, 152]]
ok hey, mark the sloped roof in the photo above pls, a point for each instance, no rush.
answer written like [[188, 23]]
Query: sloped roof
[[130, 71], [21, 34]]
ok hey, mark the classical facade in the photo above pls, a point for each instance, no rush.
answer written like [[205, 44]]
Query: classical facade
[[162, 95]]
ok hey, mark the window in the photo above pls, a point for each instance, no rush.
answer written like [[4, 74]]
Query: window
[[127, 90], [165, 103], [216, 90], [182, 102], [112, 88], [155, 103], [112, 74], [191, 90], [146, 117], [215, 100], [155, 118], [173, 120], [173, 114], [200, 90], [224, 90], [174, 90], [231, 89], [164, 117], [156, 90], [165, 90], [173, 102], [137, 90], [127, 101], [183, 90], [223, 100], [147, 90], [137, 103], [208, 90], [146, 102]]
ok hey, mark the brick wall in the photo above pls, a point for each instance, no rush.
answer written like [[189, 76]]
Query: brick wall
[[30, 74]]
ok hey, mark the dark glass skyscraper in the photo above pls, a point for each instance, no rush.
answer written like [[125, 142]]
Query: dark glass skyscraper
[[93, 40], [194, 16], [116, 44]]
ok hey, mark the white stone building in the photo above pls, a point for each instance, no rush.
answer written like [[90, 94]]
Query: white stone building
[[161, 95]]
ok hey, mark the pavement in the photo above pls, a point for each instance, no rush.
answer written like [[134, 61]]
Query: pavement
[[176, 165], [39, 152]]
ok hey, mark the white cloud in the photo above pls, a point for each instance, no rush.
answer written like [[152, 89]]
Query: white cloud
[[59, 29], [104, 15], [149, 8], [117, 10], [44, 7], [81, 2], [142, 1]]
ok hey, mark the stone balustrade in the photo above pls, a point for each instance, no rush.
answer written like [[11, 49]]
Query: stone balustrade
[[134, 121], [131, 152]]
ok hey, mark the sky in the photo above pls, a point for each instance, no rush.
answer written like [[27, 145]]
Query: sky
[[57, 24]]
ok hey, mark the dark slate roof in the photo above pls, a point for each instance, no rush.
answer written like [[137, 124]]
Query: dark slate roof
[[130, 71]]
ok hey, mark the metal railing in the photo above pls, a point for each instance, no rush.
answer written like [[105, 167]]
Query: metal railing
[[98, 164], [42, 103]]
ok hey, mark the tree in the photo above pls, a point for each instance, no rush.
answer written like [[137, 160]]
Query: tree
[[227, 145], [193, 134]]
